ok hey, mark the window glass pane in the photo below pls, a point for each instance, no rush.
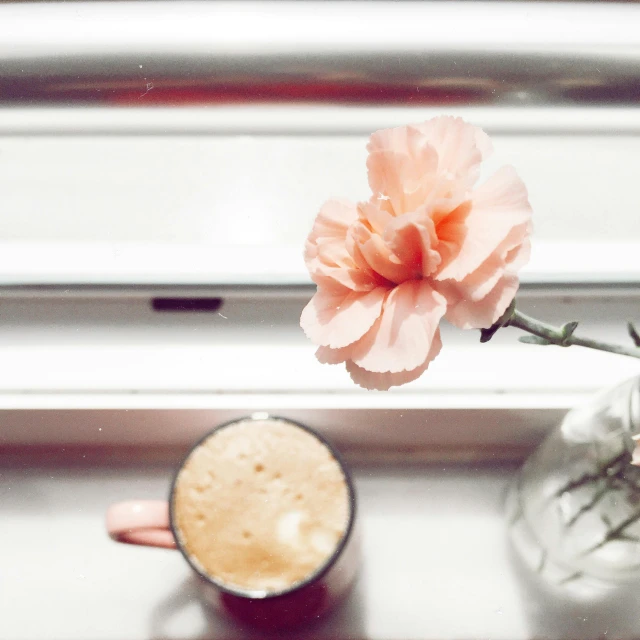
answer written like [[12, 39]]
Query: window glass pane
[[240, 204]]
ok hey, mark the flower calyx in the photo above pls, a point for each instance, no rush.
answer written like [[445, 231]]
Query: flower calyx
[[502, 321]]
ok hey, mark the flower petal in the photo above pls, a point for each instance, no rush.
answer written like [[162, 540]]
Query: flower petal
[[460, 145], [327, 355], [373, 217], [478, 314], [333, 219], [370, 252], [401, 338], [470, 302], [412, 238], [383, 381], [519, 256], [338, 319], [399, 159], [326, 255], [512, 253], [496, 208]]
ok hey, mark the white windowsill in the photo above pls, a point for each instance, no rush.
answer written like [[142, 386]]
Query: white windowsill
[[435, 565], [113, 372]]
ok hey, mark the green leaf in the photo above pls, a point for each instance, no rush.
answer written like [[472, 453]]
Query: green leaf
[[633, 332], [568, 329], [534, 340]]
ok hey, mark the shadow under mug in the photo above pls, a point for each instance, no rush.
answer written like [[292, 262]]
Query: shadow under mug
[[151, 523]]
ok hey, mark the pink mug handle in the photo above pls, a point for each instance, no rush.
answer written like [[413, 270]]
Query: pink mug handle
[[144, 522]]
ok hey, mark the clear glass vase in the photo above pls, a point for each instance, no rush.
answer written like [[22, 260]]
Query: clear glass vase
[[574, 509]]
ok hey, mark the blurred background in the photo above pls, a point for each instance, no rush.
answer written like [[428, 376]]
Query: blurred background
[[214, 125], [161, 164], [153, 150]]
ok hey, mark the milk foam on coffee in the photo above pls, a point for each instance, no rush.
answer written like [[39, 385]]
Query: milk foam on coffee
[[260, 505]]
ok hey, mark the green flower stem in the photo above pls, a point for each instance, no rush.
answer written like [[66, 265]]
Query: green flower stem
[[607, 469], [564, 338]]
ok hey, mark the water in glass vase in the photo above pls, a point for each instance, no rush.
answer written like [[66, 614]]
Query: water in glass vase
[[574, 509]]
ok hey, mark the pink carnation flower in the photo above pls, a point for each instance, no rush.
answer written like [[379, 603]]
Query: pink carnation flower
[[428, 244]]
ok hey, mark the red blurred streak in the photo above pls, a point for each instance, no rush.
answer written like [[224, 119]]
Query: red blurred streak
[[258, 93]]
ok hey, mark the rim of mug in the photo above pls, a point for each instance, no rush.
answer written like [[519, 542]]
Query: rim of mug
[[259, 594]]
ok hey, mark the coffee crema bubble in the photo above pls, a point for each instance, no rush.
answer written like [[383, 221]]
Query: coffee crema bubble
[[260, 505]]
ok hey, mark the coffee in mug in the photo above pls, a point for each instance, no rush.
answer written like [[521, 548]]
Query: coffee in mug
[[264, 511]]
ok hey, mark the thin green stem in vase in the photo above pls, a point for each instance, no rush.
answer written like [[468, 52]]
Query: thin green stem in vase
[[617, 533], [603, 471]]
